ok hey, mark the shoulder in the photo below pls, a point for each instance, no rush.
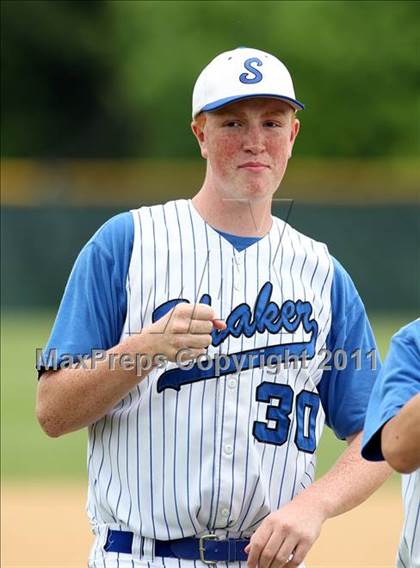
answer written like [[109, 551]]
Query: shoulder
[[115, 236], [152, 221], [292, 234], [160, 208], [408, 336], [402, 363], [343, 286], [305, 250], [343, 290]]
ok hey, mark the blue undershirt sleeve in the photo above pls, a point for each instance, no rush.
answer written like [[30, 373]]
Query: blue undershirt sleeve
[[94, 305], [399, 382], [351, 370]]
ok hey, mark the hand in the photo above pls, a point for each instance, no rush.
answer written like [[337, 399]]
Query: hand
[[291, 530], [186, 326]]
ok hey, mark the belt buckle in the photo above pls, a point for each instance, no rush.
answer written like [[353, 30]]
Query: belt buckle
[[202, 548]]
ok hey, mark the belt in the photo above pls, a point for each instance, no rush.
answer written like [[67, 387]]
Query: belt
[[207, 548]]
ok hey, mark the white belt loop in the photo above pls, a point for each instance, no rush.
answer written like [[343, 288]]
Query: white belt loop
[[148, 547], [137, 547]]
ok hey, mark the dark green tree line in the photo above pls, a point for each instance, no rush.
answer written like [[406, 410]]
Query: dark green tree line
[[114, 78]]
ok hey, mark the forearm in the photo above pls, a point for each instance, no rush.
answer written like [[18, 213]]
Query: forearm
[[400, 438], [348, 483], [297, 524], [72, 398]]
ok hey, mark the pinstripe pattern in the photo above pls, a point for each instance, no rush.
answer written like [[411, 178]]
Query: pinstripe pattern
[[409, 550], [177, 463]]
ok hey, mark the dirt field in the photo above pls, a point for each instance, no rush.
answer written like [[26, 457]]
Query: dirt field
[[42, 524]]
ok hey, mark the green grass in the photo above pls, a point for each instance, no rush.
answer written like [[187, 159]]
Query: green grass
[[27, 453]]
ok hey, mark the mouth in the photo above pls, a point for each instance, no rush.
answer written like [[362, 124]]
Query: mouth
[[254, 166]]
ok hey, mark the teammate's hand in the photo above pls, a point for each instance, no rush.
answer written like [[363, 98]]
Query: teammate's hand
[[185, 327], [285, 536]]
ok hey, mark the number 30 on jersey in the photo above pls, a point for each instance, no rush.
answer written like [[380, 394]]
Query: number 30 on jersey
[[307, 406]]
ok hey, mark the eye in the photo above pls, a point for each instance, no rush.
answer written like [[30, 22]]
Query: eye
[[232, 123], [272, 124]]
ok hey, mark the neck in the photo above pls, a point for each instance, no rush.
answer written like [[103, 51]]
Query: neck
[[245, 217]]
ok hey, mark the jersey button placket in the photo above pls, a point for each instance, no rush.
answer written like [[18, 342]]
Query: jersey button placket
[[230, 403], [227, 451]]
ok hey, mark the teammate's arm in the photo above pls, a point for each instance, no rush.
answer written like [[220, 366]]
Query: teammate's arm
[[70, 399], [392, 427], [298, 524], [400, 438]]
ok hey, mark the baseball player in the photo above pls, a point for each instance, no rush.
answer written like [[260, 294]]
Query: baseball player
[[392, 431], [247, 337]]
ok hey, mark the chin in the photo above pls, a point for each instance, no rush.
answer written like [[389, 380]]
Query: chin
[[257, 191]]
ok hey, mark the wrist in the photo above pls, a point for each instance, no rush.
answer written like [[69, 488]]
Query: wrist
[[140, 348], [138, 343], [317, 501]]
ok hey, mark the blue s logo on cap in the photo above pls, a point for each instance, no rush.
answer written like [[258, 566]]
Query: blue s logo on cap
[[256, 76]]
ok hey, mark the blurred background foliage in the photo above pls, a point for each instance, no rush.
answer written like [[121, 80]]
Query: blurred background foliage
[[96, 112], [114, 78], [96, 99]]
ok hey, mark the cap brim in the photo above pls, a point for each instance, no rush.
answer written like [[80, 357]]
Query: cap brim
[[297, 105]]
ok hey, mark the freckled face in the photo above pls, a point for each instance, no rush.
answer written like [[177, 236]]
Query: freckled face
[[247, 146]]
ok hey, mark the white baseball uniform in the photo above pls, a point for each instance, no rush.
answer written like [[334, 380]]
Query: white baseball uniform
[[211, 450]]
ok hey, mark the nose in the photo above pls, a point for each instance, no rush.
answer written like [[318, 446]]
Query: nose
[[254, 140]]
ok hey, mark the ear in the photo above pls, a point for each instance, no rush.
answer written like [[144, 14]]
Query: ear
[[293, 134], [198, 128]]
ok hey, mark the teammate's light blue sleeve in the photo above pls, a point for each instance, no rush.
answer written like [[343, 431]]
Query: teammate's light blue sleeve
[[345, 393], [399, 382], [94, 305]]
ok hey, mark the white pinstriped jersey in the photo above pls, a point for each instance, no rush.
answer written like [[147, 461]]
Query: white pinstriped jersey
[[175, 459], [189, 452], [409, 551]]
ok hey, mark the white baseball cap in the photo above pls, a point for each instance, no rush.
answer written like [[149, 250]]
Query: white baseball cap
[[241, 74]]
